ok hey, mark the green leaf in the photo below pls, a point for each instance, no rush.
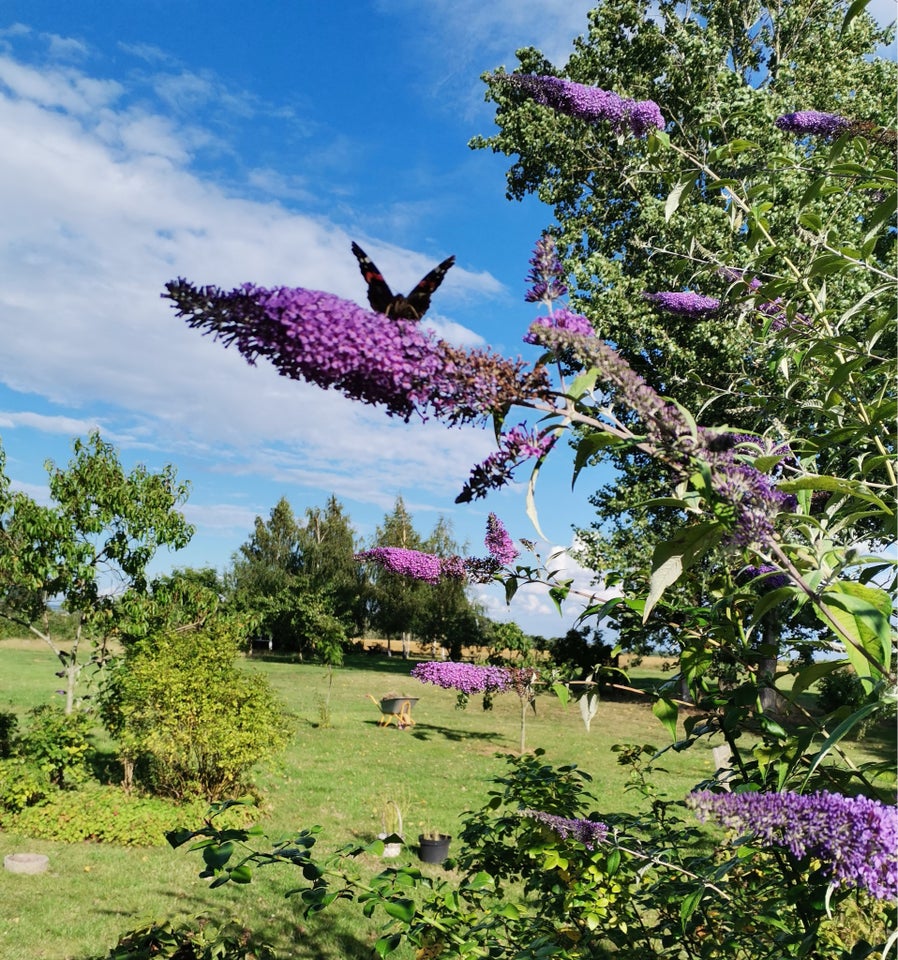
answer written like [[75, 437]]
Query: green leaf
[[845, 727], [687, 907], [387, 944], [671, 559], [681, 190], [402, 909], [561, 691], [809, 675], [666, 711], [863, 612], [854, 10], [241, 874]]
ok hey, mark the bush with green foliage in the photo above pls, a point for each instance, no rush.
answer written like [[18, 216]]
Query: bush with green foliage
[[183, 711], [200, 940], [103, 813], [21, 785], [58, 744]]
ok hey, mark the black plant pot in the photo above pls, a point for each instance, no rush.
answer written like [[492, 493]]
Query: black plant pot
[[432, 850]]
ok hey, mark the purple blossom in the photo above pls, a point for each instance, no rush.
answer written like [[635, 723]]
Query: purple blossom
[[466, 678], [563, 319], [684, 304], [664, 424], [751, 496], [499, 544], [591, 103], [590, 833], [323, 339], [855, 837], [547, 273], [764, 578], [414, 563], [813, 123], [515, 446]]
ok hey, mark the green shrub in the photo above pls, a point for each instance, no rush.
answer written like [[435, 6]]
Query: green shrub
[[841, 688], [57, 743], [21, 785], [180, 706], [201, 940], [9, 724], [107, 814]]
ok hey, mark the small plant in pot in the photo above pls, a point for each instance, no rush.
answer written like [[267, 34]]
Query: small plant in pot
[[391, 833], [433, 846]]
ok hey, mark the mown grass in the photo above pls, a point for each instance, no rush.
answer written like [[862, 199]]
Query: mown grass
[[335, 775]]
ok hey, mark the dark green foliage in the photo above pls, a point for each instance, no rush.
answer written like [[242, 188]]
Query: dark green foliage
[[21, 785], [299, 583], [200, 940], [9, 724], [841, 688]]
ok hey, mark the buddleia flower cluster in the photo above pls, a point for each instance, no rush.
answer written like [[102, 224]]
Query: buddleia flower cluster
[[465, 678], [813, 123], [334, 343], [855, 838], [414, 564], [592, 104], [591, 833], [430, 568]]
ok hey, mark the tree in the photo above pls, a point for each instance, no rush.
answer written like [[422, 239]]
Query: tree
[[295, 581], [449, 619], [397, 603], [720, 72], [95, 539], [327, 562]]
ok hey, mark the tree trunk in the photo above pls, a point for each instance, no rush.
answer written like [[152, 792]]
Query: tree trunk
[[770, 700]]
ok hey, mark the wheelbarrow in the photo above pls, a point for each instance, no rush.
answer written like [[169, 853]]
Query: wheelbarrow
[[396, 710]]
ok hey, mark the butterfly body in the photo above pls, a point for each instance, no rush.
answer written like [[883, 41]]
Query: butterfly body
[[382, 298]]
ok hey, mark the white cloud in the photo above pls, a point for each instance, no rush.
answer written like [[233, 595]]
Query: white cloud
[[100, 210]]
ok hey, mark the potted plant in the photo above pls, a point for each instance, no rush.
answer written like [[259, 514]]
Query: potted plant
[[391, 823], [433, 846]]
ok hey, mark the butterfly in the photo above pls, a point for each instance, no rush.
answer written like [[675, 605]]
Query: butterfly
[[382, 298]]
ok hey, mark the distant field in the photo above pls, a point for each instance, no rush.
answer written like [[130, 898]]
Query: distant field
[[335, 776]]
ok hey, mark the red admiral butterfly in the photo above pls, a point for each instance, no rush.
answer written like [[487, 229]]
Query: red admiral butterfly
[[382, 298]]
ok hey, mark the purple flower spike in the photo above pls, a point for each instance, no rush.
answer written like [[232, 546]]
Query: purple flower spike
[[591, 103], [515, 446], [499, 544], [546, 275], [414, 563], [684, 304], [855, 837], [813, 123], [464, 677], [325, 340], [590, 833], [563, 319]]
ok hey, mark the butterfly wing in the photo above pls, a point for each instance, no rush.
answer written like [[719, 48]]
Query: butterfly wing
[[380, 296], [418, 300]]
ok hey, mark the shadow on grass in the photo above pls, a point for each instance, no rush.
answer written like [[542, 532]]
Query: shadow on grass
[[427, 731], [315, 938]]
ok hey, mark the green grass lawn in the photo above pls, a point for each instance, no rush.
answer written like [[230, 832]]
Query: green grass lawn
[[336, 776]]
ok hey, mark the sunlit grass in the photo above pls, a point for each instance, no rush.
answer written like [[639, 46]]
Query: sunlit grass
[[335, 776]]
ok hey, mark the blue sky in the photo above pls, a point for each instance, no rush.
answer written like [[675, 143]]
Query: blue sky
[[233, 142], [154, 139]]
